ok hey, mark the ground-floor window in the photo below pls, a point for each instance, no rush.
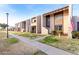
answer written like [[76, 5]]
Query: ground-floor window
[[58, 27]]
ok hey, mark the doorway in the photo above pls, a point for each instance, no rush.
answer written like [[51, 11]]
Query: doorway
[[77, 26], [33, 29]]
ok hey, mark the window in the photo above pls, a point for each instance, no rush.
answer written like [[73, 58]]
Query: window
[[59, 16], [58, 27], [48, 21], [34, 20]]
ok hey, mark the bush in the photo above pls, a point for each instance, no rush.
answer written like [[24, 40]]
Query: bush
[[54, 32], [12, 40], [75, 34], [49, 39], [57, 32]]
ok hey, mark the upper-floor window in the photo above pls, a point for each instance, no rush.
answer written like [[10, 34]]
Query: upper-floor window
[[33, 20], [59, 16], [48, 21]]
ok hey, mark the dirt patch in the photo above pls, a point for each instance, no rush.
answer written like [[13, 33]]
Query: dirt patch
[[22, 49], [19, 48]]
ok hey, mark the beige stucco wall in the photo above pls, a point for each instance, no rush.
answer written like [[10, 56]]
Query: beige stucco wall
[[34, 23], [21, 27], [37, 24], [45, 30], [41, 23], [51, 22], [65, 22], [58, 21]]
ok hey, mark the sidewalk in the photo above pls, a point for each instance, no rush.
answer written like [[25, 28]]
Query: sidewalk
[[43, 47]]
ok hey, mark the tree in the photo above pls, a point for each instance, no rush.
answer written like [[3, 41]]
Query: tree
[[3, 25]]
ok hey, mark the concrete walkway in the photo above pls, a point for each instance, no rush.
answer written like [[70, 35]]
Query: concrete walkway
[[43, 47]]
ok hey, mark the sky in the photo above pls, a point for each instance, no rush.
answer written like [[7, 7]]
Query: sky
[[20, 12], [76, 10]]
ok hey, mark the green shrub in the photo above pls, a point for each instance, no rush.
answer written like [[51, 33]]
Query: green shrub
[[12, 40], [75, 34], [54, 32], [49, 39], [57, 32]]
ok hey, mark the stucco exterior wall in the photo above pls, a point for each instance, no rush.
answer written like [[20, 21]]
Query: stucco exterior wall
[[21, 27], [38, 24], [65, 21], [33, 23], [58, 18], [41, 22], [51, 23], [28, 25]]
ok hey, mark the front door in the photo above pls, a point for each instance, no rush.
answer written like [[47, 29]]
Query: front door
[[77, 26], [34, 29]]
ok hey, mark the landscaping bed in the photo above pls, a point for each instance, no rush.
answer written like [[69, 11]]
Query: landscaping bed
[[70, 45], [75, 34]]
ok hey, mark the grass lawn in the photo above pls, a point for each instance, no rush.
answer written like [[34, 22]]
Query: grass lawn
[[70, 45], [27, 34], [12, 40]]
